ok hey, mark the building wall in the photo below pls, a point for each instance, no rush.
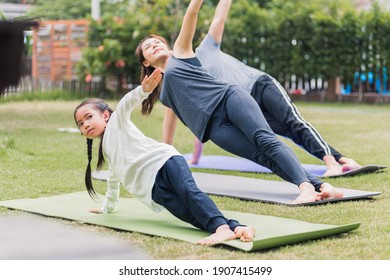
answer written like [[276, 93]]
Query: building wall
[[57, 48], [12, 11]]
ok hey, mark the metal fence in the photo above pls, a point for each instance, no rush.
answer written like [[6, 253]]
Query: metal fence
[[304, 90]]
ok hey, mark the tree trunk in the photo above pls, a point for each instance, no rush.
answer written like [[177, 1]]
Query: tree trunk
[[333, 90], [360, 91]]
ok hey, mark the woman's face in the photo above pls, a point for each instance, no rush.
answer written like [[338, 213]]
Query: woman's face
[[154, 52], [91, 122]]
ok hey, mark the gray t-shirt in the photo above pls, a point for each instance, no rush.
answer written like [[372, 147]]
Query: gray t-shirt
[[192, 93], [225, 67]]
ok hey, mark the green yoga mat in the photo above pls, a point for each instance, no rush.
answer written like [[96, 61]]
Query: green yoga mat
[[132, 215]]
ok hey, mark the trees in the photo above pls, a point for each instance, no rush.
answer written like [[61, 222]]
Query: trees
[[325, 39], [114, 39], [308, 40], [59, 9]]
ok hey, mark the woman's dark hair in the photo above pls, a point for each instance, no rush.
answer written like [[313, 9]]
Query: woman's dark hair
[[147, 104], [101, 106]]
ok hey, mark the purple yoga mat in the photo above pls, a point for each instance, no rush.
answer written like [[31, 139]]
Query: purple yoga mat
[[245, 165]]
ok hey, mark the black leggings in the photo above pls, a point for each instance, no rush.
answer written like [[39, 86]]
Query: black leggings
[[285, 119]]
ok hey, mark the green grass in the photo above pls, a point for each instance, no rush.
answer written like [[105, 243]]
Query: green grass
[[37, 160]]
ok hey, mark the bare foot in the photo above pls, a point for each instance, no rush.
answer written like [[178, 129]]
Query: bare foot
[[308, 194], [329, 192], [338, 168], [349, 164], [245, 233], [223, 233], [333, 170], [332, 166]]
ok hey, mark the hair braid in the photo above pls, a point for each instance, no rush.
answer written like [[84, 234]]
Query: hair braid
[[88, 180], [100, 106]]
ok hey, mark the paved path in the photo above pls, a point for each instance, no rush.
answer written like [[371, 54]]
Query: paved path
[[32, 237]]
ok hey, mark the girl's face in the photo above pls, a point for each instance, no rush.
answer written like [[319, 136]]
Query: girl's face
[[91, 122], [154, 51]]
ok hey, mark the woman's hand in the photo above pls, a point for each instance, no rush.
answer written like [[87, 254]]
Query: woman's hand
[[150, 82], [95, 210]]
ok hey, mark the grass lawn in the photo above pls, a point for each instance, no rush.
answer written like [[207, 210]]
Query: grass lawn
[[37, 160]]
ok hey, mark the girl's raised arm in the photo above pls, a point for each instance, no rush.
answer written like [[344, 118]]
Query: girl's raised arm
[[183, 44]]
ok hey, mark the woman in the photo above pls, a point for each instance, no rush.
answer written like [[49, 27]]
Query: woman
[[218, 111], [280, 112]]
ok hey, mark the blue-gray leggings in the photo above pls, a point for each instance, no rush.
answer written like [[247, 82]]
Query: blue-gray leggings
[[176, 190], [239, 127]]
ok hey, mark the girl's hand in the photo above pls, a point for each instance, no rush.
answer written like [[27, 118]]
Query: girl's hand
[[149, 83], [95, 210]]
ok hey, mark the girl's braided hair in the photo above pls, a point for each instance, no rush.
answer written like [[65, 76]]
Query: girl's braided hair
[[101, 106]]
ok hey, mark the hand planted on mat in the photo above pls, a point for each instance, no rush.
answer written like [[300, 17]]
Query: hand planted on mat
[[95, 210]]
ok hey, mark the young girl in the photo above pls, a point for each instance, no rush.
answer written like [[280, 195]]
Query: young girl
[[153, 172], [278, 109], [218, 111]]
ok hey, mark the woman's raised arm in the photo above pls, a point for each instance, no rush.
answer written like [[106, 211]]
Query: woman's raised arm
[[183, 44], [217, 26]]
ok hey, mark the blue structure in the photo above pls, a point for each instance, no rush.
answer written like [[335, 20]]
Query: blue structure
[[379, 87]]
